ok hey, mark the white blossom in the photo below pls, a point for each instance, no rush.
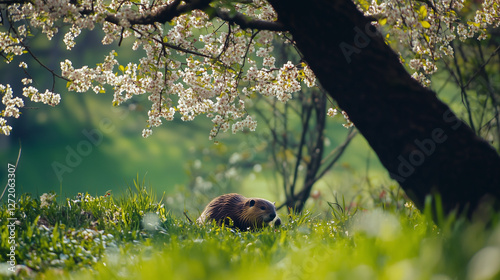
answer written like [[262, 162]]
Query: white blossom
[[200, 66], [332, 112]]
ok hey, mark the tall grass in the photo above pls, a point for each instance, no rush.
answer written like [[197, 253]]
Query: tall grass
[[134, 237]]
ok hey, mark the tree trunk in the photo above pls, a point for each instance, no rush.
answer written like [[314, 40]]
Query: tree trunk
[[422, 144]]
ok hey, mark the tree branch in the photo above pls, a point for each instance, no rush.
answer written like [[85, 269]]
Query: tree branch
[[40, 62], [481, 68], [165, 13], [306, 116], [174, 9], [336, 153], [247, 22], [12, 1]]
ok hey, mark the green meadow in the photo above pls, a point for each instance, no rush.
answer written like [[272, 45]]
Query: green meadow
[[135, 236]]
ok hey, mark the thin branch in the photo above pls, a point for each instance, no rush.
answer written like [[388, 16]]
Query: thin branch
[[165, 13], [267, 121], [226, 42], [121, 37], [337, 152], [13, 1], [41, 63], [187, 217], [482, 67], [247, 22], [21, 42], [174, 47], [315, 147], [306, 114], [490, 90], [465, 97], [286, 179], [276, 140], [245, 58], [458, 81]]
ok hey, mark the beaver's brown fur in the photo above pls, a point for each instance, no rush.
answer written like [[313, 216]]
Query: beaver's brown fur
[[246, 213]]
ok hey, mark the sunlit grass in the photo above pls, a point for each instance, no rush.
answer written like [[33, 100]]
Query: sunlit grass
[[135, 237]]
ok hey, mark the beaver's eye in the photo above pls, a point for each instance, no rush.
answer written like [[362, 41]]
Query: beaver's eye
[[263, 208]]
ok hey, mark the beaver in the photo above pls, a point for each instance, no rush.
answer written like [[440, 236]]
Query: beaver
[[246, 213]]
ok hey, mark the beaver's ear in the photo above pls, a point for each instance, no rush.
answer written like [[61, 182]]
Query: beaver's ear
[[252, 203]]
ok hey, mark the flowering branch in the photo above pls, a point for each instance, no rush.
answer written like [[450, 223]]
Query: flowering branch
[[210, 57], [165, 13], [174, 9], [247, 22]]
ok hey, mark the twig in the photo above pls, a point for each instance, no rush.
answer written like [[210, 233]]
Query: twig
[[187, 217], [177, 48], [337, 152], [41, 63], [307, 111], [465, 98], [481, 67]]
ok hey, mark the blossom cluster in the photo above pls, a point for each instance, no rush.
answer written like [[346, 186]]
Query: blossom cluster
[[427, 29], [12, 105], [37, 14], [192, 66], [198, 65]]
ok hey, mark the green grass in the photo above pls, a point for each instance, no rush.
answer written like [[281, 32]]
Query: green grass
[[134, 237]]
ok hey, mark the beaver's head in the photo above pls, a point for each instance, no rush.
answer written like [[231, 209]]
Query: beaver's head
[[258, 211]]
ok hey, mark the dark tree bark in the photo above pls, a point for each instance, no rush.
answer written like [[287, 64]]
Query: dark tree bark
[[423, 145]]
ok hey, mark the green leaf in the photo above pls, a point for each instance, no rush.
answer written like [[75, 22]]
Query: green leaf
[[425, 24], [382, 21], [476, 24], [423, 11]]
